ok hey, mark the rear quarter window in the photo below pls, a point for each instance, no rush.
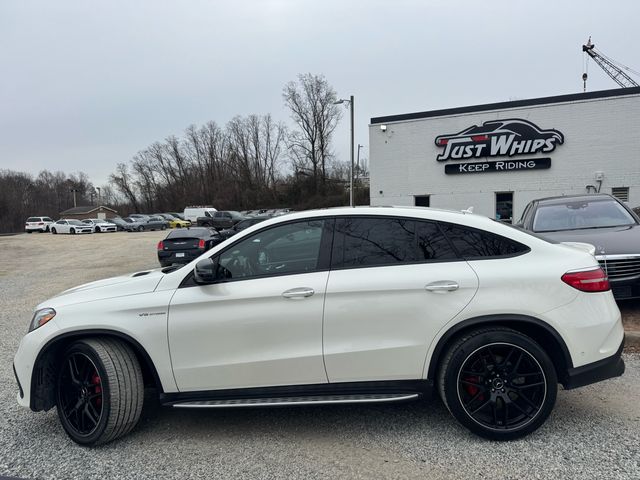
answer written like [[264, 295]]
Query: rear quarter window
[[471, 243]]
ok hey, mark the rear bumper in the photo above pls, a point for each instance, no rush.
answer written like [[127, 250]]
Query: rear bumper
[[609, 367], [169, 256]]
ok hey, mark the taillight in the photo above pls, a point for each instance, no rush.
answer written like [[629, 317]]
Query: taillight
[[201, 244], [160, 245], [588, 280]]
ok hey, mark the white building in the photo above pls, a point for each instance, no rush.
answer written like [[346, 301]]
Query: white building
[[498, 157]]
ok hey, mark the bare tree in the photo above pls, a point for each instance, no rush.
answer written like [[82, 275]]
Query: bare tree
[[311, 101], [125, 184]]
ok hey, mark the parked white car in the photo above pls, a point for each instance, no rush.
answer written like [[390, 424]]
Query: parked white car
[[72, 226], [37, 224], [347, 305], [100, 225]]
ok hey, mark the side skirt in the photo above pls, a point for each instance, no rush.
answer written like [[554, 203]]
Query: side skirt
[[351, 392]]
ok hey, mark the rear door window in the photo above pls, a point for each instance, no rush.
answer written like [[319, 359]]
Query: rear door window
[[369, 241]]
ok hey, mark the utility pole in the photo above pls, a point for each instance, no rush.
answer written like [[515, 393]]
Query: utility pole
[[73, 190], [351, 176], [350, 102]]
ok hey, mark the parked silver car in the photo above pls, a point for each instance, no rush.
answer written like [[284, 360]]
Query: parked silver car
[[142, 224]]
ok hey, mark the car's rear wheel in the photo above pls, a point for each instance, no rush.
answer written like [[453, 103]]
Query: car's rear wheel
[[29, 231], [164, 227], [100, 390], [498, 383]]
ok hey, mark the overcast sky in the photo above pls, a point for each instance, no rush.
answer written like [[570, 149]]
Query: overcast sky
[[86, 84]]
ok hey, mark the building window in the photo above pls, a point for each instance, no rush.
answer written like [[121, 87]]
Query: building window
[[421, 200], [504, 206], [621, 193]]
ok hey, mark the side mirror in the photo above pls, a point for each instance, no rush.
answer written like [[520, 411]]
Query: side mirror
[[205, 271]]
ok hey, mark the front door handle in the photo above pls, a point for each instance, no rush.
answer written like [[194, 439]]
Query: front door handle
[[300, 292], [442, 286]]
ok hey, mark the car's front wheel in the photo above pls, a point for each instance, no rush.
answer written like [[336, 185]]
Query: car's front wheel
[[72, 231], [54, 231], [498, 383], [141, 228], [100, 390]]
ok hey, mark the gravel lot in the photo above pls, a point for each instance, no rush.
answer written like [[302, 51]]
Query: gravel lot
[[593, 432]]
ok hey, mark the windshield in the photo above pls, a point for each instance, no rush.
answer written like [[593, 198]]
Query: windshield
[[76, 222], [580, 215]]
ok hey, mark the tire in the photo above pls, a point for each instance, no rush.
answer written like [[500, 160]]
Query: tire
[[29, 231], [54, 231], [498, 383], [164, 227], [141, 228], [97, 230], [72, 231], [106, 384], [46, 230]]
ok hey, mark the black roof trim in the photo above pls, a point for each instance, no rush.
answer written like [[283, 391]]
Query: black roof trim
[[573, 97]]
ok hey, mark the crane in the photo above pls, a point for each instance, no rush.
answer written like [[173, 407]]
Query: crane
[[611, 67]]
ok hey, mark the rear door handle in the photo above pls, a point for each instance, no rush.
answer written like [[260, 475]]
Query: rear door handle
[[442, 286], [300, 292]]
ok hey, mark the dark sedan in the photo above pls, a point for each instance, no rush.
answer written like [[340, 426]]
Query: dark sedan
[[183, 245], [238, 227], [600, 220]]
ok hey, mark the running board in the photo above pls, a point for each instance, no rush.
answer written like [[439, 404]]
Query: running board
[[301, 400]]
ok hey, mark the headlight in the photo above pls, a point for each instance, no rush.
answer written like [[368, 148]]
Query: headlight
[[41, 317]]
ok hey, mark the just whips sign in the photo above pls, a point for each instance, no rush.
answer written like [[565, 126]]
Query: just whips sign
[[498, 138]]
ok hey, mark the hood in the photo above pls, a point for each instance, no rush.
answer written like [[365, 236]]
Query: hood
[[613, 240], [131, 284]]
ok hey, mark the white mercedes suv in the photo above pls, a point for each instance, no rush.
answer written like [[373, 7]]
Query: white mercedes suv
[[347, 305]]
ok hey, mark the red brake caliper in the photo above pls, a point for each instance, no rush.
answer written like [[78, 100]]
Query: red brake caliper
[[471, 389], [95, 379]]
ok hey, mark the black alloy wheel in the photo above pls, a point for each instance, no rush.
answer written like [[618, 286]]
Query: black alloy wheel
[[498, 383], [80, 393], [97, 230], [100, 390], [54, 231], [72, 231]]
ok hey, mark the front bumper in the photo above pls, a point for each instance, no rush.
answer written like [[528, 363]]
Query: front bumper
[[609, 367]]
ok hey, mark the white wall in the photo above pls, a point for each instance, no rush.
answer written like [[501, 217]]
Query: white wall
[[599, 135]]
